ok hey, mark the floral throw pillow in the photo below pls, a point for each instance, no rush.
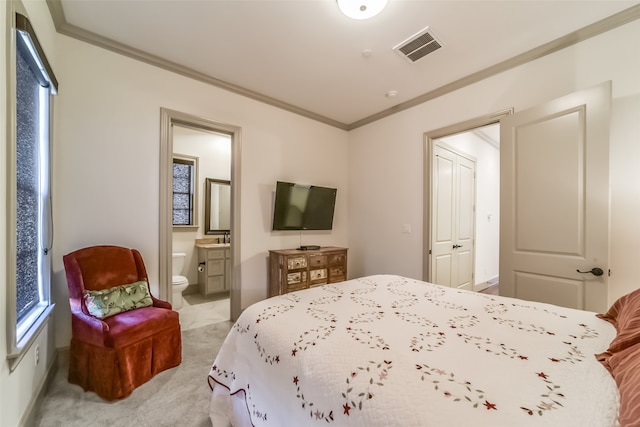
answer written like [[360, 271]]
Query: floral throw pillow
[[107, 302]]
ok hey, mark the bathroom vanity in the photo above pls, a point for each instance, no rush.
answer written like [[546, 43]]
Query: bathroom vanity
[[214, 266]]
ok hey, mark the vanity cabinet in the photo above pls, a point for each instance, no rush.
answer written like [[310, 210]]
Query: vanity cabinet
[[215, 275], [293, 269]]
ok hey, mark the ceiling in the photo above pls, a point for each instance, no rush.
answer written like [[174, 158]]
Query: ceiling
[[306, 57]]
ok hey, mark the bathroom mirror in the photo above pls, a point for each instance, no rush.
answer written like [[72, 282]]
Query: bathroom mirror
[[217, 206]]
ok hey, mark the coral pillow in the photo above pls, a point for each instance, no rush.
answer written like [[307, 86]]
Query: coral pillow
[[107, 302], [624, 314], [625, 369]]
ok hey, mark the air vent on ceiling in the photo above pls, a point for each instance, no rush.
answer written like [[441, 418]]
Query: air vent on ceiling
[[418, 46]]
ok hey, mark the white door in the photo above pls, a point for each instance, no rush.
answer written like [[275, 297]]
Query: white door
[[453, 213], [554, 206]]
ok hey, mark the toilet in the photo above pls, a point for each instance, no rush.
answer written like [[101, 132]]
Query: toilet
[[178, 283]]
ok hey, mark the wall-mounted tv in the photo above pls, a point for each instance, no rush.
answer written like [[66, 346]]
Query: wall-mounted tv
[[303, 207]]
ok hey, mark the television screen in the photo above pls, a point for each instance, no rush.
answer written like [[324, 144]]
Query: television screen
[[303, 207]]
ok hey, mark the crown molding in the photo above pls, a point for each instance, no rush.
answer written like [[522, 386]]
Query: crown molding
[[63, 27], [597, 28]]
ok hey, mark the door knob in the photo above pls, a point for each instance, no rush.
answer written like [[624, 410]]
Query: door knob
[[457, 246], [595, 271]]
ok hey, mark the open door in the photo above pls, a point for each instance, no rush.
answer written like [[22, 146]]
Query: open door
[[554, 209]]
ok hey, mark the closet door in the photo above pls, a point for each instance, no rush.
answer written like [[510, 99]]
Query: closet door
[[453, 218]]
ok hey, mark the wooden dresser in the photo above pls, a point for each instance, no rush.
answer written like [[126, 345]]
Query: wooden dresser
[[293, 269]]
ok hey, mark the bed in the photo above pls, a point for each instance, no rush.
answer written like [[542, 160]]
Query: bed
[[387, 350]]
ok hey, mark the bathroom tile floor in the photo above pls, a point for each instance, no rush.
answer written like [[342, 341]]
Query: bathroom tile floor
[[198, 311]]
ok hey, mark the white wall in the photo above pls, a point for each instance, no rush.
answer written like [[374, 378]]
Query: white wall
[[18, 388], [386, 157], [106, 170], [214, 161]]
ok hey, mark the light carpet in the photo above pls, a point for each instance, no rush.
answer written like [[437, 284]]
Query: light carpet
[[177, 397]]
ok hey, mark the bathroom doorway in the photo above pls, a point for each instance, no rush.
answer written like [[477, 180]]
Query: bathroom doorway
[[213, 149]]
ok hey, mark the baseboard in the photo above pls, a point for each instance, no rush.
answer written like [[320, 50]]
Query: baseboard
[[30, 416], [489, 283]]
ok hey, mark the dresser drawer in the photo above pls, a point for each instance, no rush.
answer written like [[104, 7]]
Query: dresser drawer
[[336, 259], [297, 262], [317, 260], [297, 277], [318, 274], [337, 272]]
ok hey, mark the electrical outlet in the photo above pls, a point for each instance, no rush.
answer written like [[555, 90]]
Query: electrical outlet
[[37, 354]]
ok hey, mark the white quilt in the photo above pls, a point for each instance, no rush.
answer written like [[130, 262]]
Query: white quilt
[[391, 351]]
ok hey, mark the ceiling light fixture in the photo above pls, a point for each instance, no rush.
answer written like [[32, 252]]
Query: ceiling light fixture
[[361, 9]]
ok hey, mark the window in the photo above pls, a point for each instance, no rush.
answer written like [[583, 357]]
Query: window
[[185, 178], [30, 228]]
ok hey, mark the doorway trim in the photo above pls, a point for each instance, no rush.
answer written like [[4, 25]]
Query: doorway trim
[[168, 118], [429, 140]]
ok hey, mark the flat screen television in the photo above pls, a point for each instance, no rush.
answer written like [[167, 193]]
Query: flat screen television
[[303, 207]]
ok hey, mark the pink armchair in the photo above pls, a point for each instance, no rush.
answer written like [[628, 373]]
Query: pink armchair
[[114, 355]]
